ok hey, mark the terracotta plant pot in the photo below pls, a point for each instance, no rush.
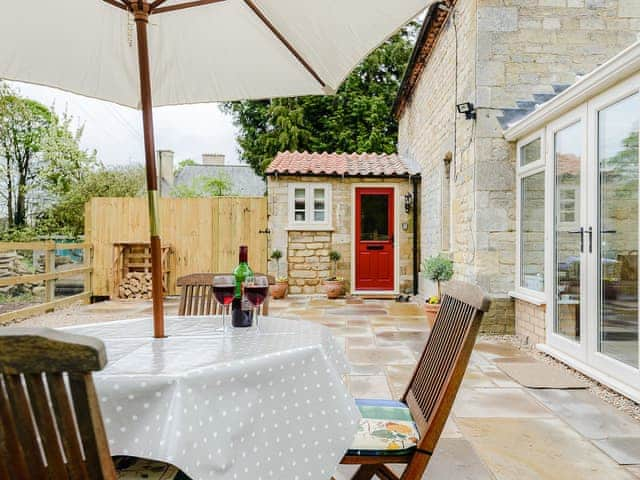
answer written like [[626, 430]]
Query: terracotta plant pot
[[431, 311], [334, 288], [279, 290]]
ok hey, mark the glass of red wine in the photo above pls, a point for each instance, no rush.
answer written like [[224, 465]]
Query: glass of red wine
[[256, 290], [224, 289]]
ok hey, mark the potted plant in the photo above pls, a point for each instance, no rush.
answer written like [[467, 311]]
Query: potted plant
[[334, 285], [437, 269], [279, 290]]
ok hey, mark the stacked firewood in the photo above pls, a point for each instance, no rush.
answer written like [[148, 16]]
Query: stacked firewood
[[135, 285]]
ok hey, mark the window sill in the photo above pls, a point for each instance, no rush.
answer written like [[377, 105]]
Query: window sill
[[537, 300], [309, 228]]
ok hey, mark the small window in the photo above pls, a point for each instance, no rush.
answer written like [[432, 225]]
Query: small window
[[531, 152], [309, 206]]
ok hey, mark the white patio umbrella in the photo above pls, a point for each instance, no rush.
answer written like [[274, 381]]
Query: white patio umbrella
[[191, 52]]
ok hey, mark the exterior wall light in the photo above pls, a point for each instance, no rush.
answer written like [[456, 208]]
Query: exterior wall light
[[468, 109]]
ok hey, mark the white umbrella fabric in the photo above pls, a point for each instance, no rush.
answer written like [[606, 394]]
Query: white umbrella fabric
[[191, 51]]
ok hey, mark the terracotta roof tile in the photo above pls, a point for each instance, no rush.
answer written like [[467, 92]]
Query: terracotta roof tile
[[348, 164]]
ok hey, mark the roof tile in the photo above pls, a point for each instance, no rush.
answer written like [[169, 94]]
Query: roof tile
[[348, 164]]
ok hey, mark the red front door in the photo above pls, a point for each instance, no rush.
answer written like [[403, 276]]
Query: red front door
[[374, 239]]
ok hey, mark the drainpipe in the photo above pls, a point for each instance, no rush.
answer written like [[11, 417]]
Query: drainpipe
[[415, 181]]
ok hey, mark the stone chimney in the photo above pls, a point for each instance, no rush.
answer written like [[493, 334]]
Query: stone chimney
[[165, 171], [213, 159]]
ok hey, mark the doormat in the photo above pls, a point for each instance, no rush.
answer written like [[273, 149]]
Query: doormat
[[539, 375]]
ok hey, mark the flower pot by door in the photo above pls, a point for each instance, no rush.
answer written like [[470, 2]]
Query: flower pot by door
[[279, 290], [431, 311], [334, 288]]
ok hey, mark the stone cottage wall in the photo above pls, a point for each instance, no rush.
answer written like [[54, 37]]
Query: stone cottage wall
[[305, 253], [523, 49], [506, 51]]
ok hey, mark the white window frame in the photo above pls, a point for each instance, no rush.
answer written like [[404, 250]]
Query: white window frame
[[522, 172], [309, 223]]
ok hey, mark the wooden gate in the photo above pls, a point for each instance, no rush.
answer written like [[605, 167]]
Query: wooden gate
[[204, 234]]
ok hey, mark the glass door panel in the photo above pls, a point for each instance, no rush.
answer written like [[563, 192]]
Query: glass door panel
[[569, 238], [618, 219]]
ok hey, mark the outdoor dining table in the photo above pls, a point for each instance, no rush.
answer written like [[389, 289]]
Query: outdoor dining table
[[226, 405]]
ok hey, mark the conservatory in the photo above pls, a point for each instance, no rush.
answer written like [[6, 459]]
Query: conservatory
[[577, 222]]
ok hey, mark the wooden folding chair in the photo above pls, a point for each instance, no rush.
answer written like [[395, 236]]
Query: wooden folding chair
[[196, 295], [429, 395], [50, 422], [36, 440]]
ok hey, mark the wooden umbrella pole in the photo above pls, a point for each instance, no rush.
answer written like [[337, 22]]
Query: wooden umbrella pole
[[141, 15]]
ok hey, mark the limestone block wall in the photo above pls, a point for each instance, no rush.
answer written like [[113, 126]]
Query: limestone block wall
[[494, 53], [308, 260], [305, 253], [530, 322]]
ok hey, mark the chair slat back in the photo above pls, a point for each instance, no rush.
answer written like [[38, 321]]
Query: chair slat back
[[196, 295], [50, 421], [439, 372]]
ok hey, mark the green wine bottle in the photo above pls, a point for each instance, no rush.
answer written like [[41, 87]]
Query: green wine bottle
[[240, 310]]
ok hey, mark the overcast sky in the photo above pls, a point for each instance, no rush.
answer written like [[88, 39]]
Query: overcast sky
[[116, 131]]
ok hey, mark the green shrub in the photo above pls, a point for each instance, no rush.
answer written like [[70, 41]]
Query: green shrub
[[437, 269]]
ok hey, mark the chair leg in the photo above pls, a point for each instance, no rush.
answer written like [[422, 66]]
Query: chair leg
[[385, 473], [365, 472]]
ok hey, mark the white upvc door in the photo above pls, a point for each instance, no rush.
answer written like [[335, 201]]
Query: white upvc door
[[612, 291], [566, 216], [592, 204]]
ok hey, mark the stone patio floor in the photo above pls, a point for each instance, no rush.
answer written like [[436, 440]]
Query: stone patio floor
[[498, 428]]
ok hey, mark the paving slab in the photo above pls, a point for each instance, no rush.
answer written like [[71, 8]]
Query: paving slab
[[624, 450], [399, 377], [381, 355], [388, 338], [537, 449], [405, 309], [634, 470], [453, 459], [369, 386], [535, 374], [587, 414], [497, 403], [475, 379]]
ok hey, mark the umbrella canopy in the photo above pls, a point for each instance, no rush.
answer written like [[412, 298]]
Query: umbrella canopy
[[191, 51]]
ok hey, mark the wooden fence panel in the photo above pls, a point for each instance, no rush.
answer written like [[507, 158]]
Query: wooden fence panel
[[204, 233]]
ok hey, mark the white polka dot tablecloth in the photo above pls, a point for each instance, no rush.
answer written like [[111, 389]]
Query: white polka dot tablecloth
[[242, 405]]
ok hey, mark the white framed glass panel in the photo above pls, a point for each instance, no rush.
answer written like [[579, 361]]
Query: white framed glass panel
[[618, 182], [531, 152], [532, 215], [568, 237], [299, 205], [319, 205]]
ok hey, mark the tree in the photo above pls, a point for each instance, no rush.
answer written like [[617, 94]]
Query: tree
[[24, 124], [357, 119], [204, 187], [64, 162], [66, 216], [187, 162]]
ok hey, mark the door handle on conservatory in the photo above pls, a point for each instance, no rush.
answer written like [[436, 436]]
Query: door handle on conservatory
[[590, 233], [581, 232]]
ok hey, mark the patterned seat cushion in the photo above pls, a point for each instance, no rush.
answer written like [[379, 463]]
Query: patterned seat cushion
[[133, 468], [386, 428]]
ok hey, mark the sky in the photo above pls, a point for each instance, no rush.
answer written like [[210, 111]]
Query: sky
[[115, 132]]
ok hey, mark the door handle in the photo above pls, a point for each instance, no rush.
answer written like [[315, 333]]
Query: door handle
[[590, 233], [581, 232]]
